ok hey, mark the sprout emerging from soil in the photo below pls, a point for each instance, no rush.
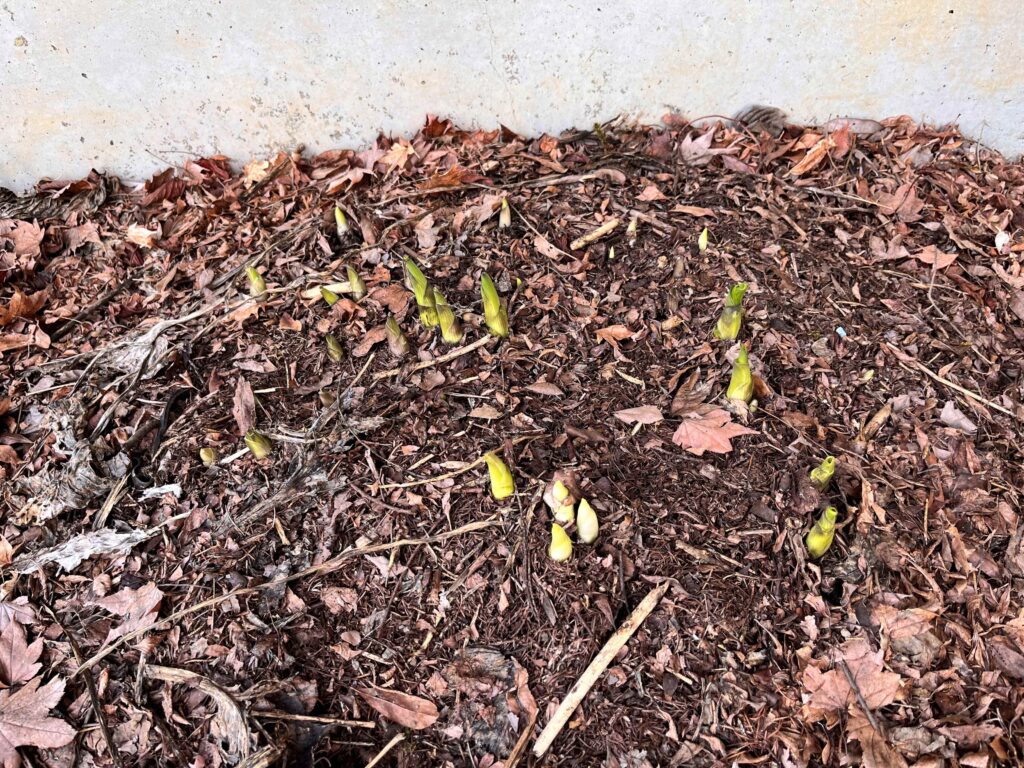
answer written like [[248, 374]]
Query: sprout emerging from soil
[[416, 282], [729, 323], [821, 475], [741, 384], [340, 222], [560, 548], [505, 217], [208, 456], [259, 445], [502, 484], [586, 522], [257, 286], [495, 314], [334, 350], [329, 296], [820, 537], [702, 241], [451, 328], [397, 343], [358, 287]]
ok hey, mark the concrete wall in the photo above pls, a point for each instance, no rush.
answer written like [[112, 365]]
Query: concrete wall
[[132, 86]]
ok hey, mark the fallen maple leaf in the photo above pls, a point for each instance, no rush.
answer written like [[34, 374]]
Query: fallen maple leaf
[[643, 414], [26, 236], [139, 607], [22, 305], [402, 708], [698, 151], [712, 431], [830, 693], [903, 203], [650, 194], [18, 660], [23, 720], [139, 235], [875, 750]]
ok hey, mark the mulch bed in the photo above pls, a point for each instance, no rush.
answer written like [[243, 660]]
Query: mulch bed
[[359, 587]]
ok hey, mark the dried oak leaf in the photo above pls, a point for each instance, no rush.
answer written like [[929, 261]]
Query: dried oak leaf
[[23, 720], [933, 257], [643, 414], [19, 661], [614, 334], [402, 708], [22, 305], [708, 431], [829, 693]]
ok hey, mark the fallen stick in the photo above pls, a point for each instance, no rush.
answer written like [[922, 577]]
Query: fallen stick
[[597, 667], [397, 739], [325, 567], [597, 234], [436, 361]]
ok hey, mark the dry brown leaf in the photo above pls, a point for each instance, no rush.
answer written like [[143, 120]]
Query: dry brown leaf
[[933, 257], [26, 236], [9, 456], [19, 661], [903, 203], [829, 693], [545, 248], [373, 336], [22, 305], [643, 414], [614, 334], [244, 312], [875, 750], [453, 177], [139, 608], [139, 235], [814, 157], [650, 194], [712, 431], [24, 721], [402, 708], [545, 388], [485, 412], [693, 210], [244, 406]]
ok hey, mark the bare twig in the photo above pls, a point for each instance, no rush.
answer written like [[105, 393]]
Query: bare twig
[[314, 719], [395, 740], [381, 375], [860, 696], [597, 667], [453, 473]]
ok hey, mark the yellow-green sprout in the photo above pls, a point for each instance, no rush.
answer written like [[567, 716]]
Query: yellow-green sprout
[[729, 323], [821, 475], [340, 221], [451, 328], [502, 484], [560, 548], [495, 314], [586, 522], [505, 217], [358, 287], [259, 445], [416, 282], [702, 241], [257, 286], [820, 537], [208, 456], [334, 350], [397, 343], [329, 296], [741, 383]]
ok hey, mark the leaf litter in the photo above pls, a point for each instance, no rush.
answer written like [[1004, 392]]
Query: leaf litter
[[884, 321]]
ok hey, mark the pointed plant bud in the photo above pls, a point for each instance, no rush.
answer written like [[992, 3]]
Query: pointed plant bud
[[565, 513], [358, 289], [427, 308], [560, 548], [334, 350], [702, 241], [611, 253], [451, 328], [560, 495], [397, 343], [741, 384], [819, 538], [340, 222], [257, 286], [329, 296], [821, 475], [631, 232], [505, 217], [586, 522], [208, 456], [415, 280], [495, 314], [502, 484], [327, 397], [729, 323], [259, 445]]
